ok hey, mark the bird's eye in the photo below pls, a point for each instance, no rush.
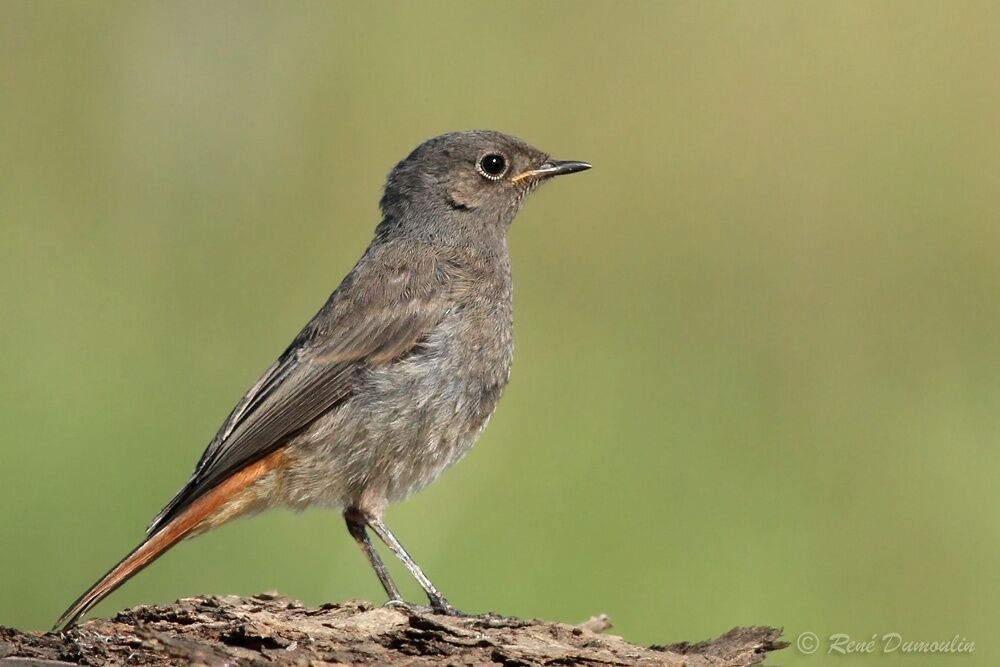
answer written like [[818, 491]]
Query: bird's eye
[[493, 166]]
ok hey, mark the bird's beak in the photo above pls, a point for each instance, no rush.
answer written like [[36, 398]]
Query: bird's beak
[[553, 168]]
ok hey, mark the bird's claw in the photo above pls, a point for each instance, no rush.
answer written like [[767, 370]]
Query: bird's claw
[[437, 606], [443, 607]]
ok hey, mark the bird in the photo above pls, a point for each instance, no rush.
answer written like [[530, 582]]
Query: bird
[[394, 378]]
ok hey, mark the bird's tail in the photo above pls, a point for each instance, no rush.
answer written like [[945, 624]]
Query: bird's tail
[[202, 513]]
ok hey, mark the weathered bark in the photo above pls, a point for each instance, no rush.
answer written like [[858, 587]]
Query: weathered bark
[[271, 630]]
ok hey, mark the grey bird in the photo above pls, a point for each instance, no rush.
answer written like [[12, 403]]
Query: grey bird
[[395, 377]]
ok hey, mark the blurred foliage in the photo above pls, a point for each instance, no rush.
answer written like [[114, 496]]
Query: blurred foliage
[[757, 368]]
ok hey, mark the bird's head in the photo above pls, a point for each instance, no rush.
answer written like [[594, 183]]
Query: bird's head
[[469, 180]]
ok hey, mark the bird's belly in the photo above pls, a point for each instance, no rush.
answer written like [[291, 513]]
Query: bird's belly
[[407, 422]]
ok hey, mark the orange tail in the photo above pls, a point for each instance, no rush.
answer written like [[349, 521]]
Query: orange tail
[[154, 546]]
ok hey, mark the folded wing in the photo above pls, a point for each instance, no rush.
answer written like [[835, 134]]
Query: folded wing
[[371, 319]]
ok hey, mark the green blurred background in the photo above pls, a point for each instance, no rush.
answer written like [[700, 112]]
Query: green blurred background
[[758, 353]]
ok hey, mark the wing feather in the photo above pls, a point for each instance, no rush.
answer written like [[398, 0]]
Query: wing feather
[[370, 319]]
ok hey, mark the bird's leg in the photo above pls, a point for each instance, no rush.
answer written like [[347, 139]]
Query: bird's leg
[[438, 602], [356, 524]]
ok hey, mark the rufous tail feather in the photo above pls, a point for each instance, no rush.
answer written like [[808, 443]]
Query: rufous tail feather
[[154, 546]]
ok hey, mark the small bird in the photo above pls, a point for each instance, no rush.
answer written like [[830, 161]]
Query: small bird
[[395, 377]]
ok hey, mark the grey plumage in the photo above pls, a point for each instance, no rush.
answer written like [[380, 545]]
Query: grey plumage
[[394, 378]]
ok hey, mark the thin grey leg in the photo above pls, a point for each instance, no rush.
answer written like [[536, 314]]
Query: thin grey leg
[[437, 600], [356, 524]]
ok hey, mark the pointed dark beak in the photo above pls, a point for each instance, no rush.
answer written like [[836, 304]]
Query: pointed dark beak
[[554, 168]]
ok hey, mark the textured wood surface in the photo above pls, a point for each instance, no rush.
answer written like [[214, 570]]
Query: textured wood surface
[[268, 629]]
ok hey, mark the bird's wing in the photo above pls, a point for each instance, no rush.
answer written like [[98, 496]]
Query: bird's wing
[[371, 319]]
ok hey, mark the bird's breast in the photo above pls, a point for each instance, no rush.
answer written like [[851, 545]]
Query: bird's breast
[[411, 418]]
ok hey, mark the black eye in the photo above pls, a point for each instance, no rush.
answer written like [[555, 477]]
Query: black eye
[[492, 166]]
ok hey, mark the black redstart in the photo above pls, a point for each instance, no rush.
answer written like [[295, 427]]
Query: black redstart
[[392, 380]]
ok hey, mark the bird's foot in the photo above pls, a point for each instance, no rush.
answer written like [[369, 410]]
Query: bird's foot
[[437, 606], [441, 606], [488, 619], [409, 607]]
